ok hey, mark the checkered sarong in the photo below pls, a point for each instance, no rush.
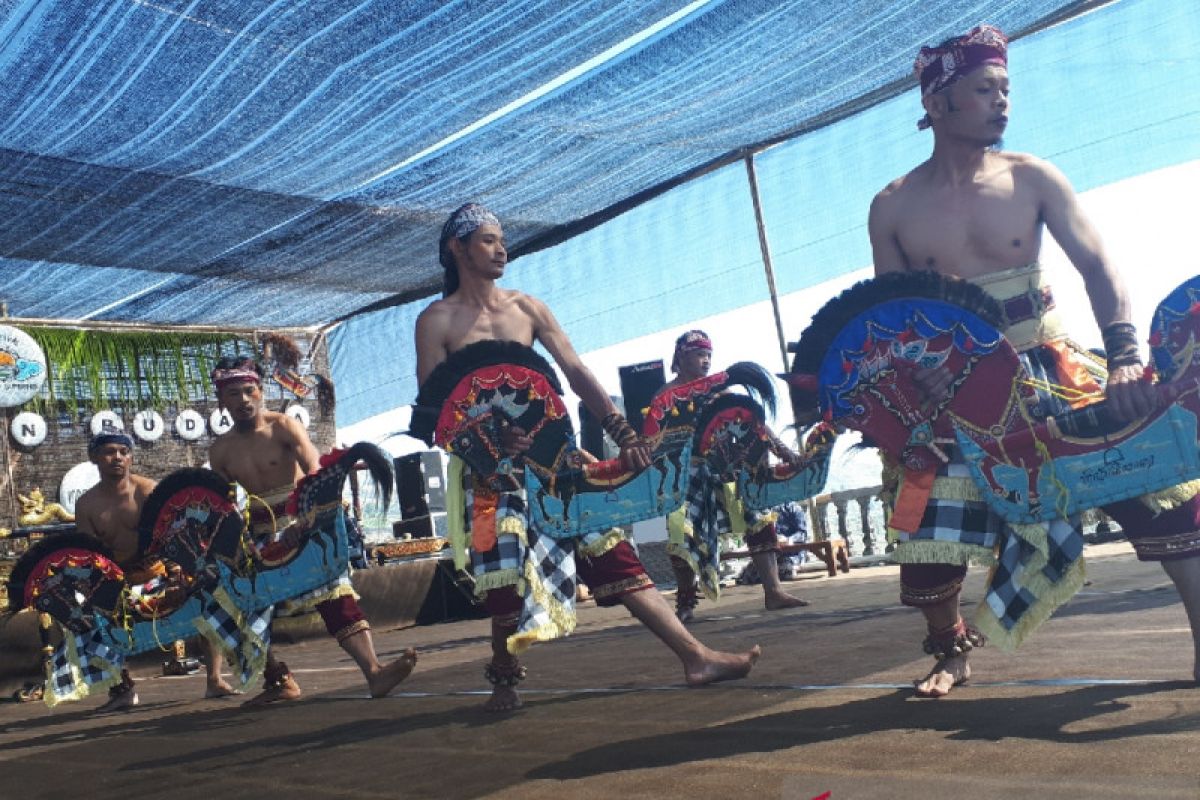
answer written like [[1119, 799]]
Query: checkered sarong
[[89, 662], [1036, 568], [541, 567], [695, 531], [81, 664], [243, 636], [711, 514]]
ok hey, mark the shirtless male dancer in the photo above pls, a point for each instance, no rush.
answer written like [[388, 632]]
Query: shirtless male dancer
[[691, 361], [267, 452], [976, 212], [110, 511], [475, 309]]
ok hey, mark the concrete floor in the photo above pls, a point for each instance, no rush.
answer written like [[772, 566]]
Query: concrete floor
[[1096, 705]]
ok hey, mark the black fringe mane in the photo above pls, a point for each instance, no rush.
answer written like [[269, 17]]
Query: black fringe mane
[[379, 466], [446, 375], [39, 550], [837, 313], [727, 401], [754, 378], [177, 480]]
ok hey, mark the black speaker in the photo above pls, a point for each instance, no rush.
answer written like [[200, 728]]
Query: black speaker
[[410, 486], [639, 384], [591, 435], [435, 480]]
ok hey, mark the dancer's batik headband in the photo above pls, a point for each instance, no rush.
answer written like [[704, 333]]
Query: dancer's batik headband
[[466, 220], [692, 340], [110, 436], [241, 372], [941, 66]]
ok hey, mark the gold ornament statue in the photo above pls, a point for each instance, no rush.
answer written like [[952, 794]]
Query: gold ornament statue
[[36, 511]]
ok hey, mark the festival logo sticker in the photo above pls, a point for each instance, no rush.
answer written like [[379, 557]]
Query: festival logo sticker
[[22, 367]]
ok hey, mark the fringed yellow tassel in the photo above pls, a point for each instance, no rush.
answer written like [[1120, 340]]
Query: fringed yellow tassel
[[456, 513], [562, 617], [498, 580], [307, 602], [733, 507], [1173, 497], [73, 663], [710, 583], [679, 527], [963, 489], [1049, 597], [929, 551], [253, 648], [709, 578], [600, 545], [512, 526]]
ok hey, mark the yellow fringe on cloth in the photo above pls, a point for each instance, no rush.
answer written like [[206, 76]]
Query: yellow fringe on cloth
[[934, 551], [254, 648], [310, 600], [498, 580], [930, 551], [562, 617], [512, 526], [602, 544], [1049, 597], [509, 526], [1170, 498], [679, 530], [82, 689], [456, 513]]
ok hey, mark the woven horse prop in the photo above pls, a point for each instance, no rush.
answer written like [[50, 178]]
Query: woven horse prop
[[212, 578], [467, 402], [854, 367]]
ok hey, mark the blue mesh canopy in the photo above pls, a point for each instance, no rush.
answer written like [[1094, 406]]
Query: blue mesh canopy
[[287, 163]]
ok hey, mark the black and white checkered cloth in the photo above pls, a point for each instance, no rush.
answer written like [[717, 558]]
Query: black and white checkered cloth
[[1035, 568], [707, 521], [243, 636], [81, 664]]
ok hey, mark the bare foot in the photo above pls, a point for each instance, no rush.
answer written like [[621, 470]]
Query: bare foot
[[286, 689], [122, 701], [945, 675], [218, 688], [386, 678], [717, 666], [780, 600], [504, 698]]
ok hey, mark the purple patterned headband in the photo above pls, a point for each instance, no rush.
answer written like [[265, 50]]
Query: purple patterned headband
[[939, 67]]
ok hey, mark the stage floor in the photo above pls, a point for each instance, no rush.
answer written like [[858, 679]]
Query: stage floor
[[1096, 705]]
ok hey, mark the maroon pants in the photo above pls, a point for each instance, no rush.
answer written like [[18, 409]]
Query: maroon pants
[[342, 617], [610, 576], [930, 584], [1167, 536]]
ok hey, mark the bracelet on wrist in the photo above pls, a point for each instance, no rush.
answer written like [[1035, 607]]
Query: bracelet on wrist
[[1121, 345]]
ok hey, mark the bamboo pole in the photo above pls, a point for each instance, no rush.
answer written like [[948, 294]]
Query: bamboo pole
[[764, 246]]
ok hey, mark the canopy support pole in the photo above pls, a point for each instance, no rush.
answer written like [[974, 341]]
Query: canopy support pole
[[765, 247]]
